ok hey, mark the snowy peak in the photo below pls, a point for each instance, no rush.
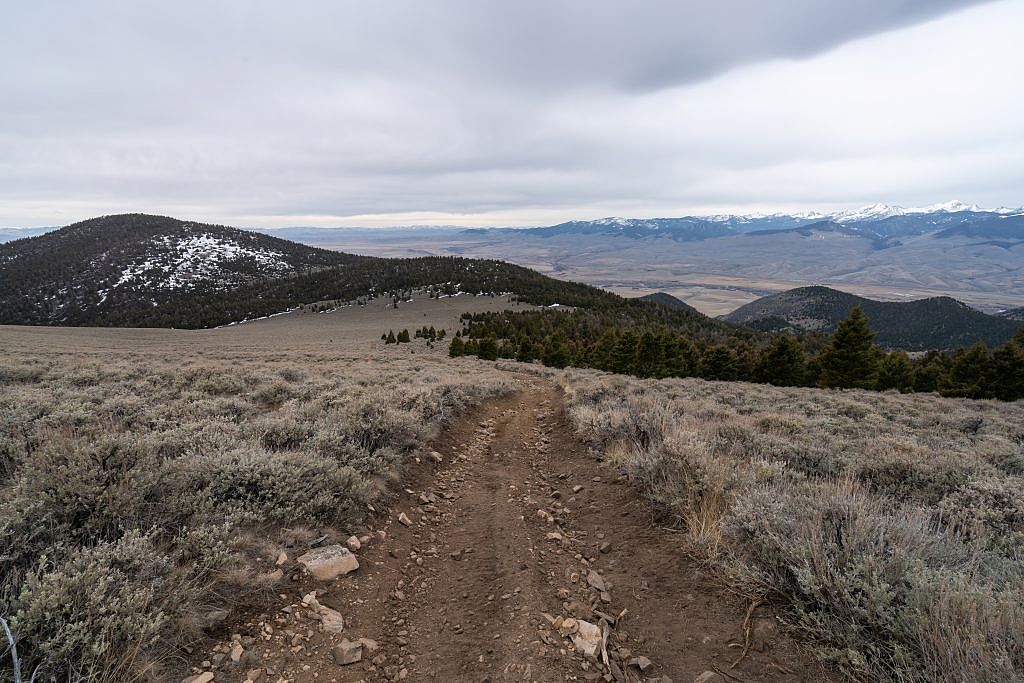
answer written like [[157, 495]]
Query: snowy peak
[[883, 211], [866, 213], [120, 262]]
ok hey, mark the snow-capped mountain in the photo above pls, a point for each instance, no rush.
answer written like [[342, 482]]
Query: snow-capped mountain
[[879, 222], [119, 261]]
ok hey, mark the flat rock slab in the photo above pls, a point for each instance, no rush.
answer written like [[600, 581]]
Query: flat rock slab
[[329, 562]]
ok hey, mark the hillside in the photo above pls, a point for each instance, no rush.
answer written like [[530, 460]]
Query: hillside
[[1013, 314], [934, 323], [668, 301], [153, 271], [117, 267]]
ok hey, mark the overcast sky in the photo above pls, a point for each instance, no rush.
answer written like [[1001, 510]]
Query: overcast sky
[[494, 112]]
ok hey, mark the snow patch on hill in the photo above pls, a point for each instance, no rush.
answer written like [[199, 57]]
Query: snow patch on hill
[[184, 262]]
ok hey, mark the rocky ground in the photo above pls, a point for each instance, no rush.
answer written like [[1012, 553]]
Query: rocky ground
[[512, 555]]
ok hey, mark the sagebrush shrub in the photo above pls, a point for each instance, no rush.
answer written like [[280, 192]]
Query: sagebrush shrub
[[892, 524]]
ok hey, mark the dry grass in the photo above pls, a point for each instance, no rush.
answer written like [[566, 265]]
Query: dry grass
[[892, 526], [138, 493]]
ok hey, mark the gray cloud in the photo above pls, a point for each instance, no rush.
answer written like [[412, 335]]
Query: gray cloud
[[238, 109]]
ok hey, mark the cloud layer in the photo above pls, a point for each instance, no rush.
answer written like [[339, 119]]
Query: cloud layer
[[503, 113]]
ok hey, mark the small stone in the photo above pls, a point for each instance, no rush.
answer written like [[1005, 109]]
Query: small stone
[[353, 543], [348, 652], [369, 645], [404, 519], [331, 620], [282, 557], [568, 627], [595, 581], [329, 562], [204, 677], [709, 677], [605, 547], [762, 634], [436, 457], [643, 663], [236, 651], [254, 675], [577, 488], [587, 639]]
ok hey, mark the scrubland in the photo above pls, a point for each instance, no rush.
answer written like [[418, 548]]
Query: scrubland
[[892, 527], [143, 497]]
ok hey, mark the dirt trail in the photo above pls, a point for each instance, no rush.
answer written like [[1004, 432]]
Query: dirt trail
[[512, 529]]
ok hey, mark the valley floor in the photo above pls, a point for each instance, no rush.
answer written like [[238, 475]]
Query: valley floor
[[511, 534]]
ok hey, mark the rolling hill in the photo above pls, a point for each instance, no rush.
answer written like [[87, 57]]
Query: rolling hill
[[668, 301], [933, 323]]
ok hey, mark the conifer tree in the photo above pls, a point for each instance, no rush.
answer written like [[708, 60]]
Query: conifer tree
[[849, 361], [623, 360], [456, 348], [556, 352], [1008, 369], [649, 355], [718, 363], [968, 374], [896, 372], [487, 348], [782, 363], [403, 337], [390, 338]]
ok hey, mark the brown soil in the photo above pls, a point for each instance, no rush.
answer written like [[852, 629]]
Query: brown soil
[[465, 593]]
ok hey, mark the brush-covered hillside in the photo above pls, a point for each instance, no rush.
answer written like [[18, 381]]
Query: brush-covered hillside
[[933, 323]]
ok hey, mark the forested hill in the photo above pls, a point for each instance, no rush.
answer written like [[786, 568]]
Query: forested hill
[[933, 323], [151, 271]]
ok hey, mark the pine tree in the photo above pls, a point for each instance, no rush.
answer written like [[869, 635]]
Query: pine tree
[[782, 364], [896, 372], [1008, 369], [403, 337], [849, 361], [968, 374], [556, 352], [928, 371], [718, 363], [487, 348], [390, 338], [456, 348], [623, 360], [526, 353], [649, 355]]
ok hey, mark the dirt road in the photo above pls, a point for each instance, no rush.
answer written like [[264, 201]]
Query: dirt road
[[520, 544]]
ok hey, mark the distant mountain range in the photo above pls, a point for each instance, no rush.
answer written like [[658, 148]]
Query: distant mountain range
[[881, 223], [934, 323], [719, 262]]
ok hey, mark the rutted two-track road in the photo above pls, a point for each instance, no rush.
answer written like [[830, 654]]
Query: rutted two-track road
[[519, 540]]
